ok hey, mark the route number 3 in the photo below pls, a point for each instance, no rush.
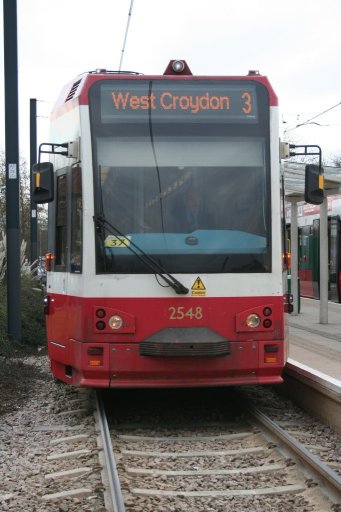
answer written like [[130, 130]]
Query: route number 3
[[247, 107], [180, 313]]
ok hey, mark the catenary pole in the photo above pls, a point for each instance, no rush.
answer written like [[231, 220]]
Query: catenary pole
[[12, 169], [33, 160]]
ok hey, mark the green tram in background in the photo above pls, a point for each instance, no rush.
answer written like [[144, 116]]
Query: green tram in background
[[308, 249]]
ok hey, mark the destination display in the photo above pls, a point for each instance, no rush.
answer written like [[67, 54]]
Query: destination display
[[200, 100]]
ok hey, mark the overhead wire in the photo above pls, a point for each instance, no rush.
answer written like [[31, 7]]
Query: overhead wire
[[312, 118], [126, 33]]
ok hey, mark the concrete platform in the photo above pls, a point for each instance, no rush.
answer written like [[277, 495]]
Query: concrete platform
[[316, 345]]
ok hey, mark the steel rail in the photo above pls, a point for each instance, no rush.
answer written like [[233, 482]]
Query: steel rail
[[328, 475], [114, 483]]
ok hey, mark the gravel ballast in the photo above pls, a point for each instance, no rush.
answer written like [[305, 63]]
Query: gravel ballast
[[46, 427]]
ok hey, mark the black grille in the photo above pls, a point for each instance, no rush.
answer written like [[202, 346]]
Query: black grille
[[182, 342], [184, 349], [73, 90]]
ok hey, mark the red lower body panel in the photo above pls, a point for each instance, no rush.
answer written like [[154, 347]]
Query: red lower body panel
[[212, 344], [123, 366]]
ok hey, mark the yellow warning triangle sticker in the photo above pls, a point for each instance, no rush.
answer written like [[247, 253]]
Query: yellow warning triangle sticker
[[198, 284]]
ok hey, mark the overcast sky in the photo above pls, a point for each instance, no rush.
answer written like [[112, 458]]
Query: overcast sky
[[296, 43]]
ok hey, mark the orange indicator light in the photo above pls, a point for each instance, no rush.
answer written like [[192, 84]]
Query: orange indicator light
[[270, 359], [95, 362]]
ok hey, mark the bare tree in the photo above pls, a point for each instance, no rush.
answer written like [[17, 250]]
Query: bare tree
[[336, 160], [24, 205]]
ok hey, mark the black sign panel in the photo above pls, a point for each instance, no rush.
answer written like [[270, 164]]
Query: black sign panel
[[190, 101]]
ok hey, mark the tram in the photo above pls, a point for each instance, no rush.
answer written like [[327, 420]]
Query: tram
[[164, 264], [309, 247]]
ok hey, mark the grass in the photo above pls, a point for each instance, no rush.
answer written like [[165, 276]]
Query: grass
[[31, 301]]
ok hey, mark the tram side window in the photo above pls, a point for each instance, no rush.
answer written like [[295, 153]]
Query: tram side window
[[61, 222], [76, 220]]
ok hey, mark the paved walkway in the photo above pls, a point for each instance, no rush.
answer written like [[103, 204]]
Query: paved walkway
[[313, 344]]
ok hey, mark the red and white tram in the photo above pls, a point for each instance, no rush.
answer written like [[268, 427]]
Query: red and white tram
[[165, 256]]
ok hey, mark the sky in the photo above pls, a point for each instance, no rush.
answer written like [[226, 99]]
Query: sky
[[296, 44]]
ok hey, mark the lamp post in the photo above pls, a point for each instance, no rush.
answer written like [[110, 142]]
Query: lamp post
[[33, 160]]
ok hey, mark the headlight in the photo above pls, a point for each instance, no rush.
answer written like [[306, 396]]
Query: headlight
[[253, 321], [178, 66], [115, 322]]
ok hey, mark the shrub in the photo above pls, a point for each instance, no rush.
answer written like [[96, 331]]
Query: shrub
[[32, 313], [32, 316]]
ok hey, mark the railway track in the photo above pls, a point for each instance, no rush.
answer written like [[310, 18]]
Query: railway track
[[174, 450], [214, 458]]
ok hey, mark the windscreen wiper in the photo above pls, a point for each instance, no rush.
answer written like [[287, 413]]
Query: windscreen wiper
[[178, 287]]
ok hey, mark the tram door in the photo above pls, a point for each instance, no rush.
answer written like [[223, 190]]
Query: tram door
[[334, 258], [305, 261], [334, 262]]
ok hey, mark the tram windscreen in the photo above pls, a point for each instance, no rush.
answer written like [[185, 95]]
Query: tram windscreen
[[181, 171]]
